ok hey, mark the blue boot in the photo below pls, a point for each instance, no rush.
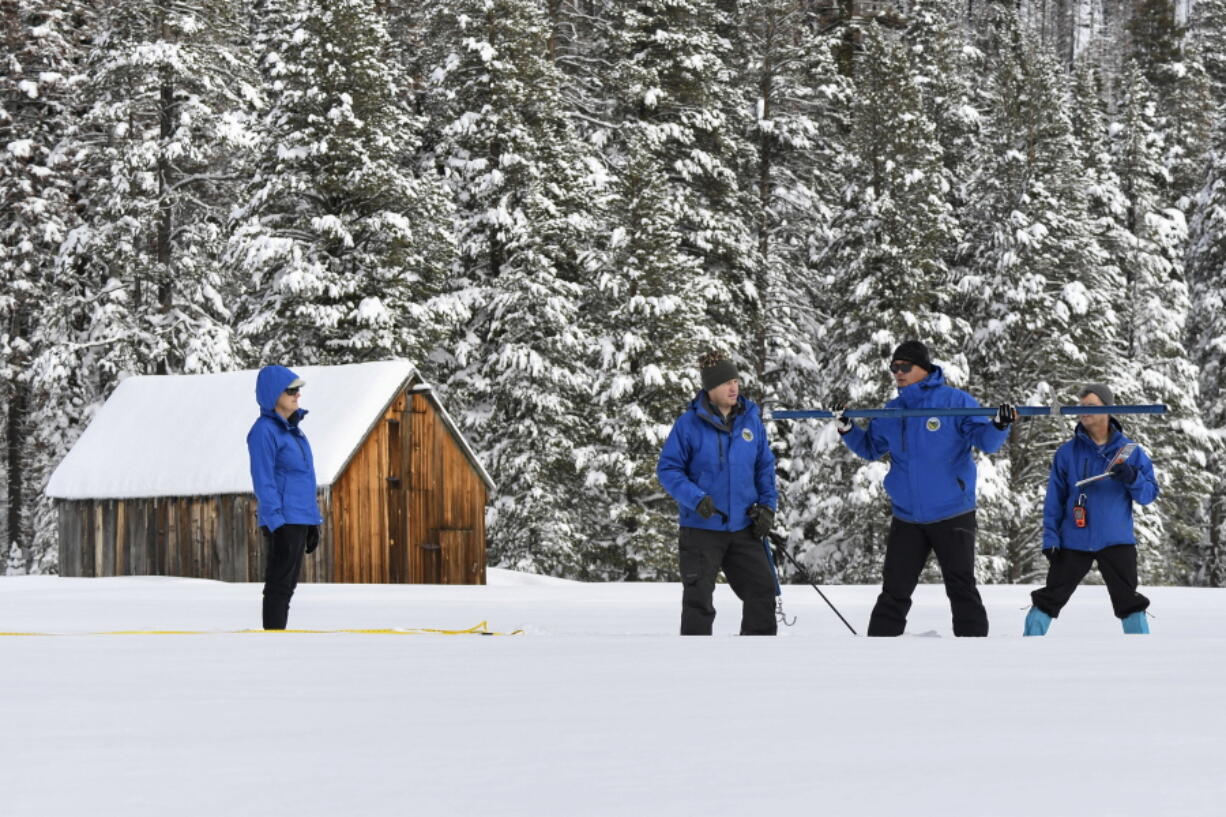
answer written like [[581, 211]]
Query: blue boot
[[1136, 623], [1037, 622]]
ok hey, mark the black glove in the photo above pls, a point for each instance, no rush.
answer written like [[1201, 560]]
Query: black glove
[[844, 423], [1124, 472], [1051, 553], [312, 538], [1005, 415], [763, 518], [706, 508]]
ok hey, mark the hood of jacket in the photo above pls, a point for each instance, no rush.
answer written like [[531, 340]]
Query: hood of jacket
[[269, 384]]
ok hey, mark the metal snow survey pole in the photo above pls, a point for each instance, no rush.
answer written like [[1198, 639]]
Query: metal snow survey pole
[[1022, 411]]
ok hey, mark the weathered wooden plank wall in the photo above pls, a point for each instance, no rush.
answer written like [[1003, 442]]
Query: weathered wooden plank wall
[[209, 537]]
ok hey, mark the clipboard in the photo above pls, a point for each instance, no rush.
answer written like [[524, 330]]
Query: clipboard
[[1120, 456]]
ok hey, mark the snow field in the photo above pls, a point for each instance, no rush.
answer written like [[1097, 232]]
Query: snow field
[[598, 709]]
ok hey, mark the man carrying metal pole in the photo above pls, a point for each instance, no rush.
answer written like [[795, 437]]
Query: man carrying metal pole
[[931, 484]]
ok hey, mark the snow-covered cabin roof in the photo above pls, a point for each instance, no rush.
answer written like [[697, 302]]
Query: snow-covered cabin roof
[[186, 435]]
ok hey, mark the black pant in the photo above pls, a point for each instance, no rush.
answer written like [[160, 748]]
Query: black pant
[[906, 552], [743, 559], [1118, 566], [285, 546]]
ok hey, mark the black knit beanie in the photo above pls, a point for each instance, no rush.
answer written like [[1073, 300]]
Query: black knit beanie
[[915, 352], [716, 370]]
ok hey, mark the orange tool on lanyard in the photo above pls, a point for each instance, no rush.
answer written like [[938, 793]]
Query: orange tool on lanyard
[[1079, 512]]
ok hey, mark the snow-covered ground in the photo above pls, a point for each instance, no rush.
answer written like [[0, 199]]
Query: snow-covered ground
[[598, 709]]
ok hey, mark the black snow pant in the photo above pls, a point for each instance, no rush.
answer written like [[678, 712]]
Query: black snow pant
[[1118, 566], [286, 546], [906, 552], [743, 559]]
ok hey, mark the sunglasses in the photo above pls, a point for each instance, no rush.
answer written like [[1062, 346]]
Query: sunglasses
[[901, 368], [294, 391]]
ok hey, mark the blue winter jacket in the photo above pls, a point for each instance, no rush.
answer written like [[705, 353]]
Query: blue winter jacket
[[932, 472], [1108, 501], [735, 467], [282, 468]]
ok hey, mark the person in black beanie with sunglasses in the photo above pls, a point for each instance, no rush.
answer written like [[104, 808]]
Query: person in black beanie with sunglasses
[[931, 483], [283, 478]]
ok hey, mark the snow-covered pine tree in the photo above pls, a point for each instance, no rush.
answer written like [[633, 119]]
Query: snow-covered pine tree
[[1154, 365], [41, 45], [789, 78], [581, 37], [342, 245], [948, 70], [1207, 36], [886, 274], [1206, 269], [648, 331], [525, 204], [673, 76], [1032, 280], [1106, 201], [678, 229], [1173, 64], [156, 151]]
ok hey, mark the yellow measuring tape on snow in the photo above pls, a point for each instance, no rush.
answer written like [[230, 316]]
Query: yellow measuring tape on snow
[[482, 628]]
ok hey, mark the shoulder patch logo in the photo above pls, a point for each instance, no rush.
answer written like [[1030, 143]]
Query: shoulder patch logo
[[747, 435], [934, 423]]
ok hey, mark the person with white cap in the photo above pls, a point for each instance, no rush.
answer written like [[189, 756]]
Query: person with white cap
[[1093, 523], [283, 477]]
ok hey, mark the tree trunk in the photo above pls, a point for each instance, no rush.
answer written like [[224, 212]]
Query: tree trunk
[[165, 217], [15, 435]]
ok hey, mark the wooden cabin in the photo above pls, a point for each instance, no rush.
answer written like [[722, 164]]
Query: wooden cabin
[[159, 483]]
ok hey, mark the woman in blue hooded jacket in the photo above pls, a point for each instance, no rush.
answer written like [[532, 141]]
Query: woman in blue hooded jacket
[[931, 483], [1093, 523], [718, 465], [283, 477]]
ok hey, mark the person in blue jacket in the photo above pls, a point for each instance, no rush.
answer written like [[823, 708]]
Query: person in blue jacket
[[717, 464], [931, 484], [283, 476], [1093, 523]]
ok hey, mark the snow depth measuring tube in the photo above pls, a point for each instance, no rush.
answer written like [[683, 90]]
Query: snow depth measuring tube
[[1022, 411]]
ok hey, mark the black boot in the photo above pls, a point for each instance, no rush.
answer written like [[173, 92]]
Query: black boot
[[276, 612]]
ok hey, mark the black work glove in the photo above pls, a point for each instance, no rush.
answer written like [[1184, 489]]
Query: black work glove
[[312, 538], [763, 519], [1124, 472], [706, 508], [844, 423], [1005, 415]]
